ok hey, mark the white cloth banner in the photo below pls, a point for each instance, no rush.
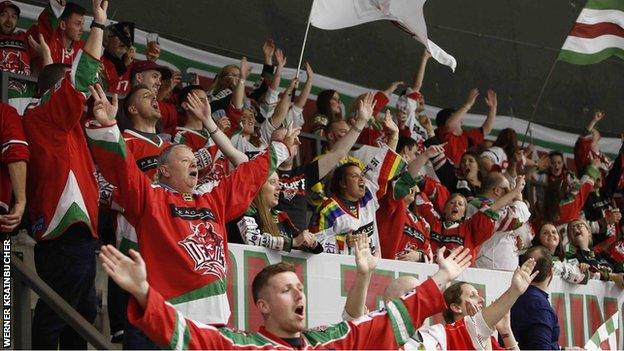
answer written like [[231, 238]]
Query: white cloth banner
[[337, 14]]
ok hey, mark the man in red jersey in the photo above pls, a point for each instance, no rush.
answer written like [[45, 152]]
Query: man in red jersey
[[62, 191], [279, 296]]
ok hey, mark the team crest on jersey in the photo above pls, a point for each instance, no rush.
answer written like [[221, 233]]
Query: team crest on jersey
[[205, 247], [12, 61]]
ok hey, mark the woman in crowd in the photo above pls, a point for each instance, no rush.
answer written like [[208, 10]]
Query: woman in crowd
[[452, 229], [598, 266], [264, 225], [465, 180], [328, 108], [550, 238]]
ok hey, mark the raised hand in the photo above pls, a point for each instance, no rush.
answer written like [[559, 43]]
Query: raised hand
[[42, 49], [281, 59], [197, 107], [103, 110], [245, 68], [128, 272], [291, 140], [455, 263], [364, 259], [388, 123], [520, 183], [392, 87], [130, 56], [599, 115], [99, 11], [523, 277], [435, 150], [268, 49], [366, 106], [491, 100], [309, 71], [472, 97]]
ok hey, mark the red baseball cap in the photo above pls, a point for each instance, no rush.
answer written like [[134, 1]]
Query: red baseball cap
[[5, 4], [147, 65]]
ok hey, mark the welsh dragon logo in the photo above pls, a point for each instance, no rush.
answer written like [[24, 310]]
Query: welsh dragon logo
[[206, 249]]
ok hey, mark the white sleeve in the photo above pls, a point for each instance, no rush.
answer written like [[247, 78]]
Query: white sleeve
[[268, 103], [294, 116], [478, 330], [252, 235], [266, 130]]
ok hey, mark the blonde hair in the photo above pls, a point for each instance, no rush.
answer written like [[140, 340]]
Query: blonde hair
[[217, 83], [265, 214]]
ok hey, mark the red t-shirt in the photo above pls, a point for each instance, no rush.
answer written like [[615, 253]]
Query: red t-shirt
[[458, 144]]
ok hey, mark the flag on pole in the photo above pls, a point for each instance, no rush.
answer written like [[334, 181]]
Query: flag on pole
[[407, 14], [597, 34], [605, 337]]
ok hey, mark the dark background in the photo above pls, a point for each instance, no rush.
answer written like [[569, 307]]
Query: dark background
[[507, 45]]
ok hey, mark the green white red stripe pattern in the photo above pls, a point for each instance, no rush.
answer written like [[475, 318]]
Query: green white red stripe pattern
[[597, 34], [605, 337]]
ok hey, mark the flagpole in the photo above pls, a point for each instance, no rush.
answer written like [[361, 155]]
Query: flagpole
[[305, 39], [539, 98]]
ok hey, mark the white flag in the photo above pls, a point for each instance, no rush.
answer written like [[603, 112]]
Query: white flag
[[408, 14]]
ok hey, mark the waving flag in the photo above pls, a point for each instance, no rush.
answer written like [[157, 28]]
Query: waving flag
[[407, 14], [605, 337], [597, 34]]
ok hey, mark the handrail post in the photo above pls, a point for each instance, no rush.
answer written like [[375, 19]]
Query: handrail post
[[22, 337]]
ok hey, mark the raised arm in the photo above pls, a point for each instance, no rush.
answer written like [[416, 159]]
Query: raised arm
[[513, 195], [598, 116], [417, 164], [420, 75], [522, 278], [355, 306], [202, 111], [283, 105], [450, 267], [93, 46], [238, 96], [148, 311], [391, 88], [393, 138], [492, 101], [328, 161], [116, 164], [277, 76], [455, 121], [300, 101]]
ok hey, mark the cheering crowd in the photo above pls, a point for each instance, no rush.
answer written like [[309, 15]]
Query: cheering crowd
[[125, 157]]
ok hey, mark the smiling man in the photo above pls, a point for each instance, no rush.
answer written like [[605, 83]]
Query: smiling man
[[279, 296]]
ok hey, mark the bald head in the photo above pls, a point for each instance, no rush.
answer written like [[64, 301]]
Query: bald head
[[494, 185], [400, 286]]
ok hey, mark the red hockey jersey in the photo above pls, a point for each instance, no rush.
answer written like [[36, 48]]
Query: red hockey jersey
[[15, 53], [61, 185], [13, 147], [187, 229], [470, 233], [399, 228], [384, 329]]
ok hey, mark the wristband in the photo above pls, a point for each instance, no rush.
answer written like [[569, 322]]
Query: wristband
[[356, 129], [97, 25], [213, 132]]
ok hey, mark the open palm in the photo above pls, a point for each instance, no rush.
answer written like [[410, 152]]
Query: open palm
[[523, 276], [455, 263], [128, 273]]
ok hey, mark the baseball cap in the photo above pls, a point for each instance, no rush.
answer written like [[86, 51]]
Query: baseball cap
[[5, 4], [124, 31], [146, 65]]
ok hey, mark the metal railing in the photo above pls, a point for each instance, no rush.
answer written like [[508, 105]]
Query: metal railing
[[26, 279]]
